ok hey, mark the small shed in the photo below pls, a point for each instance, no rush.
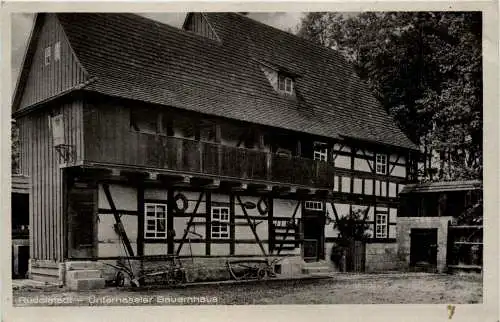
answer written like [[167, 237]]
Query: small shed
[[436, 231]]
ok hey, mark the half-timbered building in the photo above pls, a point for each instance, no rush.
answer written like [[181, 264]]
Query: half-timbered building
[[226, 139]]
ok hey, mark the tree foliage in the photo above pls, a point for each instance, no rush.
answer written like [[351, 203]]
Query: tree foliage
[[352, 226], [426, 70]]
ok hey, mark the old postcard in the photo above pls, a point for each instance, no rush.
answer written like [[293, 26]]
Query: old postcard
[[186, 157]]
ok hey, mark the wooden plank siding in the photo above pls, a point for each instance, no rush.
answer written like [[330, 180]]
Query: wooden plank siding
[[110, 140], [198, 24], [41, 163], [45, 81]]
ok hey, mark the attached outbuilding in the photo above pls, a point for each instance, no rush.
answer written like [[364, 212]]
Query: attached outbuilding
[[435, 229]]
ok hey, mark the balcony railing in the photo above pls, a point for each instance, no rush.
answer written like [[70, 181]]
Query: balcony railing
[[162, 152]]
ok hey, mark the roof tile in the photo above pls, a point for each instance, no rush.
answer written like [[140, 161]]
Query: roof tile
[[137, 58]]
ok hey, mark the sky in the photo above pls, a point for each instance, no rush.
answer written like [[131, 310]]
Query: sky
[[23, 22]]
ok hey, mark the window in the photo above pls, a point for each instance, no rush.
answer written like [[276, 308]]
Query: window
[[57, 51], [314, 205], [145, 120], [220, 223], [285, 84], [381, 164], [47, 56], [381, 226], [320, 151], [155, 225]]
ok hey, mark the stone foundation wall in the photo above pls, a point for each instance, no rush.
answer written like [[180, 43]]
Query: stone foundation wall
[[199, 269], [381, 257]]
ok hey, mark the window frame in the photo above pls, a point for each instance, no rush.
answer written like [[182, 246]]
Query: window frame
[[46, 55], [283, 81], [319, 154], [134, 125], [382, 163], [384, 225], [313, 205], [220, 223], [156, 233]]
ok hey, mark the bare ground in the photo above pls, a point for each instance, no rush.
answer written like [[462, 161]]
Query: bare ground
[[416, 288]]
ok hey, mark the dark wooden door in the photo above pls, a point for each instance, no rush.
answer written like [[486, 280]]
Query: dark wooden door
[[423, 249], [82, 230], [313, 231]]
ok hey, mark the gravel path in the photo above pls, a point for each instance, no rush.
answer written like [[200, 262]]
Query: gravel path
[[341, 289]]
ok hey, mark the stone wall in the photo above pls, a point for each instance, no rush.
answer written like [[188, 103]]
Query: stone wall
[[405, 224], [381, 257]]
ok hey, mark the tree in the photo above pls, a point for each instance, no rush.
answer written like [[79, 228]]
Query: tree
[[352, 228], [425, 69]]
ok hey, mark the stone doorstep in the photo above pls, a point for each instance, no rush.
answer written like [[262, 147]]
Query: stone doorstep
[[81, 265], [45, 271], [45, 278], [81, 274], [317, 269], [86, 284]]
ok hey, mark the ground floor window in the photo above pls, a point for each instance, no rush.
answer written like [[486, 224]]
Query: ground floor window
[[220, 223], [155, 220], [381, 226]]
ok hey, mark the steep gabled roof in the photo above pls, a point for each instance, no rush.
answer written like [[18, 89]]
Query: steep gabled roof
[[136, 58]]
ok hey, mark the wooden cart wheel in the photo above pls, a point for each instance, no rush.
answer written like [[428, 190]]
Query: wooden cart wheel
[[243, 270], [262, 273]]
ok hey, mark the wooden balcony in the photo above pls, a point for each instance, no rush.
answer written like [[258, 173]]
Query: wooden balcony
[[190, 156]]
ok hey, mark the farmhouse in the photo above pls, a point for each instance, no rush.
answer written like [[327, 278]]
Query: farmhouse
[[227, 139]]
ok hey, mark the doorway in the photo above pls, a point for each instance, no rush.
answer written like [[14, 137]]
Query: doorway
[[313, 227], [423, 249]]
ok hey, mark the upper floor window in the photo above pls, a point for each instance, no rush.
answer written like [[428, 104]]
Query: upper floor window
[[381, 164], [320, 151], [285, 84], [155, 220], [313, 205], [57, 51], [220, 223], [145, 120], [47, 56]]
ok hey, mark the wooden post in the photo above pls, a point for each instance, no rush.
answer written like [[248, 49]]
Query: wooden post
[[231, 224], [197, 137], [299, 148], [208, 222], [170, 221], [140, 220], [270, 223], [218, 139]]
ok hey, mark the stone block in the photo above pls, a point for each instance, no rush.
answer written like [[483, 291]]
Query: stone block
[[86, 284], [291, 267], [79, 265], [82, 274]]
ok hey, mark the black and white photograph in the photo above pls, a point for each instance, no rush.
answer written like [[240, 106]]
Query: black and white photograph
[[247, 158]]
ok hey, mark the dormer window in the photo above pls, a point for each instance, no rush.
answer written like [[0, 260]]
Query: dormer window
[[285, 84]]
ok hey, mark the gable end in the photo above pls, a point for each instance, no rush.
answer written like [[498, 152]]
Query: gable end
[[197, 22], [50, 66]]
